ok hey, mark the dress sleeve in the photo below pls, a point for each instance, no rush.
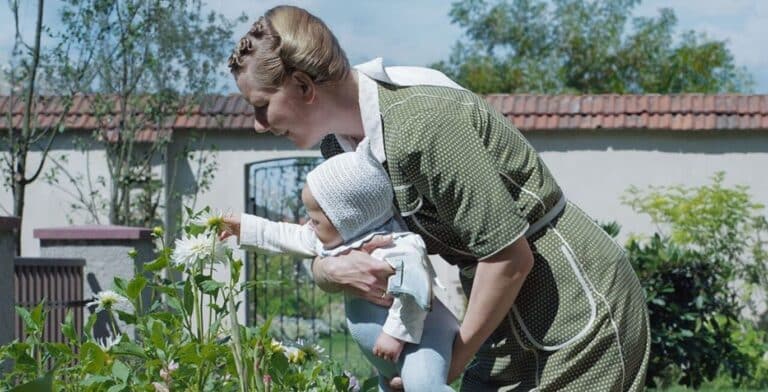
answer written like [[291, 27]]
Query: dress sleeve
[[265, 236], [444, 157]]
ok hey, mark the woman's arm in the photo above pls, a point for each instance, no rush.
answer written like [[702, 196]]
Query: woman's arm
[[356, 273], [497, 282]]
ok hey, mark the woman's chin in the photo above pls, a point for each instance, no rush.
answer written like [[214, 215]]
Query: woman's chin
[[301, 143]]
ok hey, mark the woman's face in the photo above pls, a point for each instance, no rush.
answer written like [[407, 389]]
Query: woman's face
[[284, 111], [324, 229]]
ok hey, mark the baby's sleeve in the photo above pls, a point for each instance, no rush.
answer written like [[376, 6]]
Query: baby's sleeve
[[265, 236]]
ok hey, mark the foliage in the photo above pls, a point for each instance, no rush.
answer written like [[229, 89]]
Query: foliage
[[149, 69], [28, 65], [720, 223], [699, 271], [692, 313], [578, 46], [171, 349]]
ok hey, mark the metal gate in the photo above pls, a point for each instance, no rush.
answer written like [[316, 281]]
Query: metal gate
[[284, 290], [59, 282]]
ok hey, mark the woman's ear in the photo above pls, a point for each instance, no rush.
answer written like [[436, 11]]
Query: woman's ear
[[306, 86]]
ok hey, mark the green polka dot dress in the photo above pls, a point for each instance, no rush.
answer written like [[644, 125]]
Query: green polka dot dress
[[470, 184]]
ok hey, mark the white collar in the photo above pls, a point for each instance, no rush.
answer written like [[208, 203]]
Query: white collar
[[368, 99], [391, 227]]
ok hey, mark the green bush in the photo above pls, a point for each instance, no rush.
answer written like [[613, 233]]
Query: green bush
[[693, 315], [699, 272]]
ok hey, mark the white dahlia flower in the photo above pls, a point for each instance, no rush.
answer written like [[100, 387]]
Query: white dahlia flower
[[191, 249], [111, 300]]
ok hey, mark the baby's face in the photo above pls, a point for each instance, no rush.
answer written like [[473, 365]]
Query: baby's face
[[324, 229]]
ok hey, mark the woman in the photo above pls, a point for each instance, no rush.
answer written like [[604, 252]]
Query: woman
[[553, 302]]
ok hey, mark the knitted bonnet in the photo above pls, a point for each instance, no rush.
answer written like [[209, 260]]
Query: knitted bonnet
[[354, 192]]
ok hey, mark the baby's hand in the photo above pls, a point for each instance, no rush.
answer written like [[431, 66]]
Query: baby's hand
[[387, 347]]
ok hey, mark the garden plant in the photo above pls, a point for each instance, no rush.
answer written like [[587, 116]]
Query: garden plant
[[187, 336]]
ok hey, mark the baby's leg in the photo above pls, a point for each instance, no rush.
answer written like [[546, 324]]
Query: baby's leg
[[365, 321], [424, 367]]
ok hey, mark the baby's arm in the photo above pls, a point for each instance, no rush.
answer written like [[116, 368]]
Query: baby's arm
[[266, 236]]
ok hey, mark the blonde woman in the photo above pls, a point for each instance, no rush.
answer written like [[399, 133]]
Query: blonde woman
[[553, 301]]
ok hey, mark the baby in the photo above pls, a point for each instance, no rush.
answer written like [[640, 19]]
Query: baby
[[349, 201]]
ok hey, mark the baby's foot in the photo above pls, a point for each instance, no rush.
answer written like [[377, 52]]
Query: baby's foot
[[388, 348]]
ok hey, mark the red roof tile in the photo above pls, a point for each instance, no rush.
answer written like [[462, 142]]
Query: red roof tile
[[528, 112]]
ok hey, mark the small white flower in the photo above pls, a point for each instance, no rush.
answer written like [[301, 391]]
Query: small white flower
[[212, 219], [191, 249], [160, 387], [110, 300], [294, 354], [166, 372], [276, 346], [106, 343]]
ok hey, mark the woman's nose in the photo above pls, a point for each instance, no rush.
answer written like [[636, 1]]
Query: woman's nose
[[260, 127]]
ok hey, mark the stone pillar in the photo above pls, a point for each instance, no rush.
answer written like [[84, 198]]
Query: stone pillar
[[8, 227], [106, 253]]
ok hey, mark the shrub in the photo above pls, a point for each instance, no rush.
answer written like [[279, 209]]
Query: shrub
[[699, 272]]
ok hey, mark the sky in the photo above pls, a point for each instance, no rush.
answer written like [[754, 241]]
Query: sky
[[419, 32]]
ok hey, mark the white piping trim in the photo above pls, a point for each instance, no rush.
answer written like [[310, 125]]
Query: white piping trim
[[415, 210], [515, 238], [608, 307], [530, 193], [592, 308], [402, 187]]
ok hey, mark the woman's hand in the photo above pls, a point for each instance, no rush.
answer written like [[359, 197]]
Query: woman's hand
[[497, 282], [231, 227], [357, 273], [461, 357]]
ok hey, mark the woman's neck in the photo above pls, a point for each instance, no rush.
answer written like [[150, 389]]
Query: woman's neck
[[344, 108]]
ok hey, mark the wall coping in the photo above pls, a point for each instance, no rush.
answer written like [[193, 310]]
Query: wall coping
[[8, 223], [48, 261], [93, 232]]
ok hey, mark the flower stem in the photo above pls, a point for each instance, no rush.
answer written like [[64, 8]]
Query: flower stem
[[237, 349]]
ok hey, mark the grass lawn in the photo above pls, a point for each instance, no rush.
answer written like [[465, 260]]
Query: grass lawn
[[342, 349]]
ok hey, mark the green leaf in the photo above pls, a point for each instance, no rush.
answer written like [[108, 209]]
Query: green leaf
[[189, 299], [117, 388], [211, 287], [121, 371], [42, 384], [129, 348], [29, 324], [157, 264], [68, 327], [120, 285], [135, 286], [128, 318], [341, 383], [94, 379], [93, 357], [370, 384], [38, 315]]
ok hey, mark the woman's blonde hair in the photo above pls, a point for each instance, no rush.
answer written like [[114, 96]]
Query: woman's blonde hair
[[288, 39]]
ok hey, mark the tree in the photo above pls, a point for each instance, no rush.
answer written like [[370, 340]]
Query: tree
[[581, 46], [157, 58], [26, 77]]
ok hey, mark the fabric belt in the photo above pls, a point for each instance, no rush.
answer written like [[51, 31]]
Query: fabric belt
[[547, 218]]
